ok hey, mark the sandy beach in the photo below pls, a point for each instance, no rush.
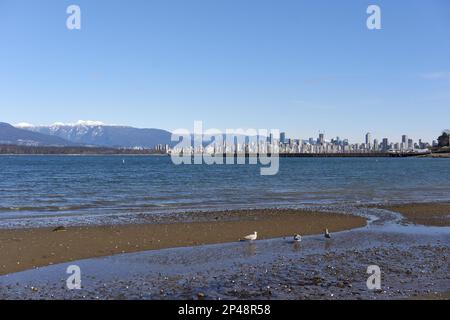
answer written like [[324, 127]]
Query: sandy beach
[[427, 214], [413, 261], [204, 257], [24, 249]]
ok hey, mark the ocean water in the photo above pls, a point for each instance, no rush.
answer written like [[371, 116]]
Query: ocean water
[[33, 187]]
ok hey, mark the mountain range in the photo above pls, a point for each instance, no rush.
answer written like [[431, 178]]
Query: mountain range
[[17, 136], [83, 133]]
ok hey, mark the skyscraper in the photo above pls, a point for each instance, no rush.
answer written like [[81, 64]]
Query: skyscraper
[[385, 144], [270, 138], [283, 137], [368, 140], [404, 138], [321, 139]]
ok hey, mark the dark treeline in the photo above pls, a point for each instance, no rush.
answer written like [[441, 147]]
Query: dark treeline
[[15, 149], [443, 140]]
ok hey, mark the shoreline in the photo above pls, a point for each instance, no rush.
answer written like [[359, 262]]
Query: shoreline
[[414, 266], [401, 207], [24, 249], [426, 214], [169, 259]]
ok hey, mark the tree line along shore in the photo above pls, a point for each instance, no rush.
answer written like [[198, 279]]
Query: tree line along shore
[[49, 150]]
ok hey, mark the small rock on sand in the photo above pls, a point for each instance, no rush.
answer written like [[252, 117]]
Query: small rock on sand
[[59, 229]]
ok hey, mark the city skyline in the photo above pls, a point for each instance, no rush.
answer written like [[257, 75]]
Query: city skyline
[[368, 139], [234, 142]]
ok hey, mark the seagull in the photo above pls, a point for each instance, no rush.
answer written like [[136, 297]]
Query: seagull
[[123, 161], [327, 234], [251, 237], [298, 238]]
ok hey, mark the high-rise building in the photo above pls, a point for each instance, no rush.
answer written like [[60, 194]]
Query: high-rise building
[[270, 138], [283, 137], [368, 140], [375, 144], [321, 139], [385, 144], [404, 139]]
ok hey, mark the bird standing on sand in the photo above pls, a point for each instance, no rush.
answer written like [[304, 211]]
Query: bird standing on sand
[[251, 237], [327, 234], [298, 238]]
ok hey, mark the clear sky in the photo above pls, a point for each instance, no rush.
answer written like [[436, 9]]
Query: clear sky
[[298, 66]]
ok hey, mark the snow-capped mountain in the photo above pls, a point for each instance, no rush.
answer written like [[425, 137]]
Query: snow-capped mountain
[[17, 136], [96, 133]]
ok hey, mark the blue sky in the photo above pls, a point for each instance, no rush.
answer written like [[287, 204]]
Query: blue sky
[[298, 66]]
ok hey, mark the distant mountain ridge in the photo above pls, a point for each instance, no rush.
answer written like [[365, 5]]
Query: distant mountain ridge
[[95, 133], [12, 135]]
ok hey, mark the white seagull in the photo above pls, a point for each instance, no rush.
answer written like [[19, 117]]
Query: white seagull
[[251, 237], [327, 234], [298, 238]]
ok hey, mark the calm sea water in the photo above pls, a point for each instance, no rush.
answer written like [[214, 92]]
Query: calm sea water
[[46, 186]]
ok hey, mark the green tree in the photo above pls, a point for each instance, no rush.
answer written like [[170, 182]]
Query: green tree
[[443, 140]]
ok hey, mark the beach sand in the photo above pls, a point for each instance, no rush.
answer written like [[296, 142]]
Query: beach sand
[[23, 249], [427, 214]]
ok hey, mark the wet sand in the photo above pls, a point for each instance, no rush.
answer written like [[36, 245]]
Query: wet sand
[[23, 249], [413, 261], [427, 214]]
